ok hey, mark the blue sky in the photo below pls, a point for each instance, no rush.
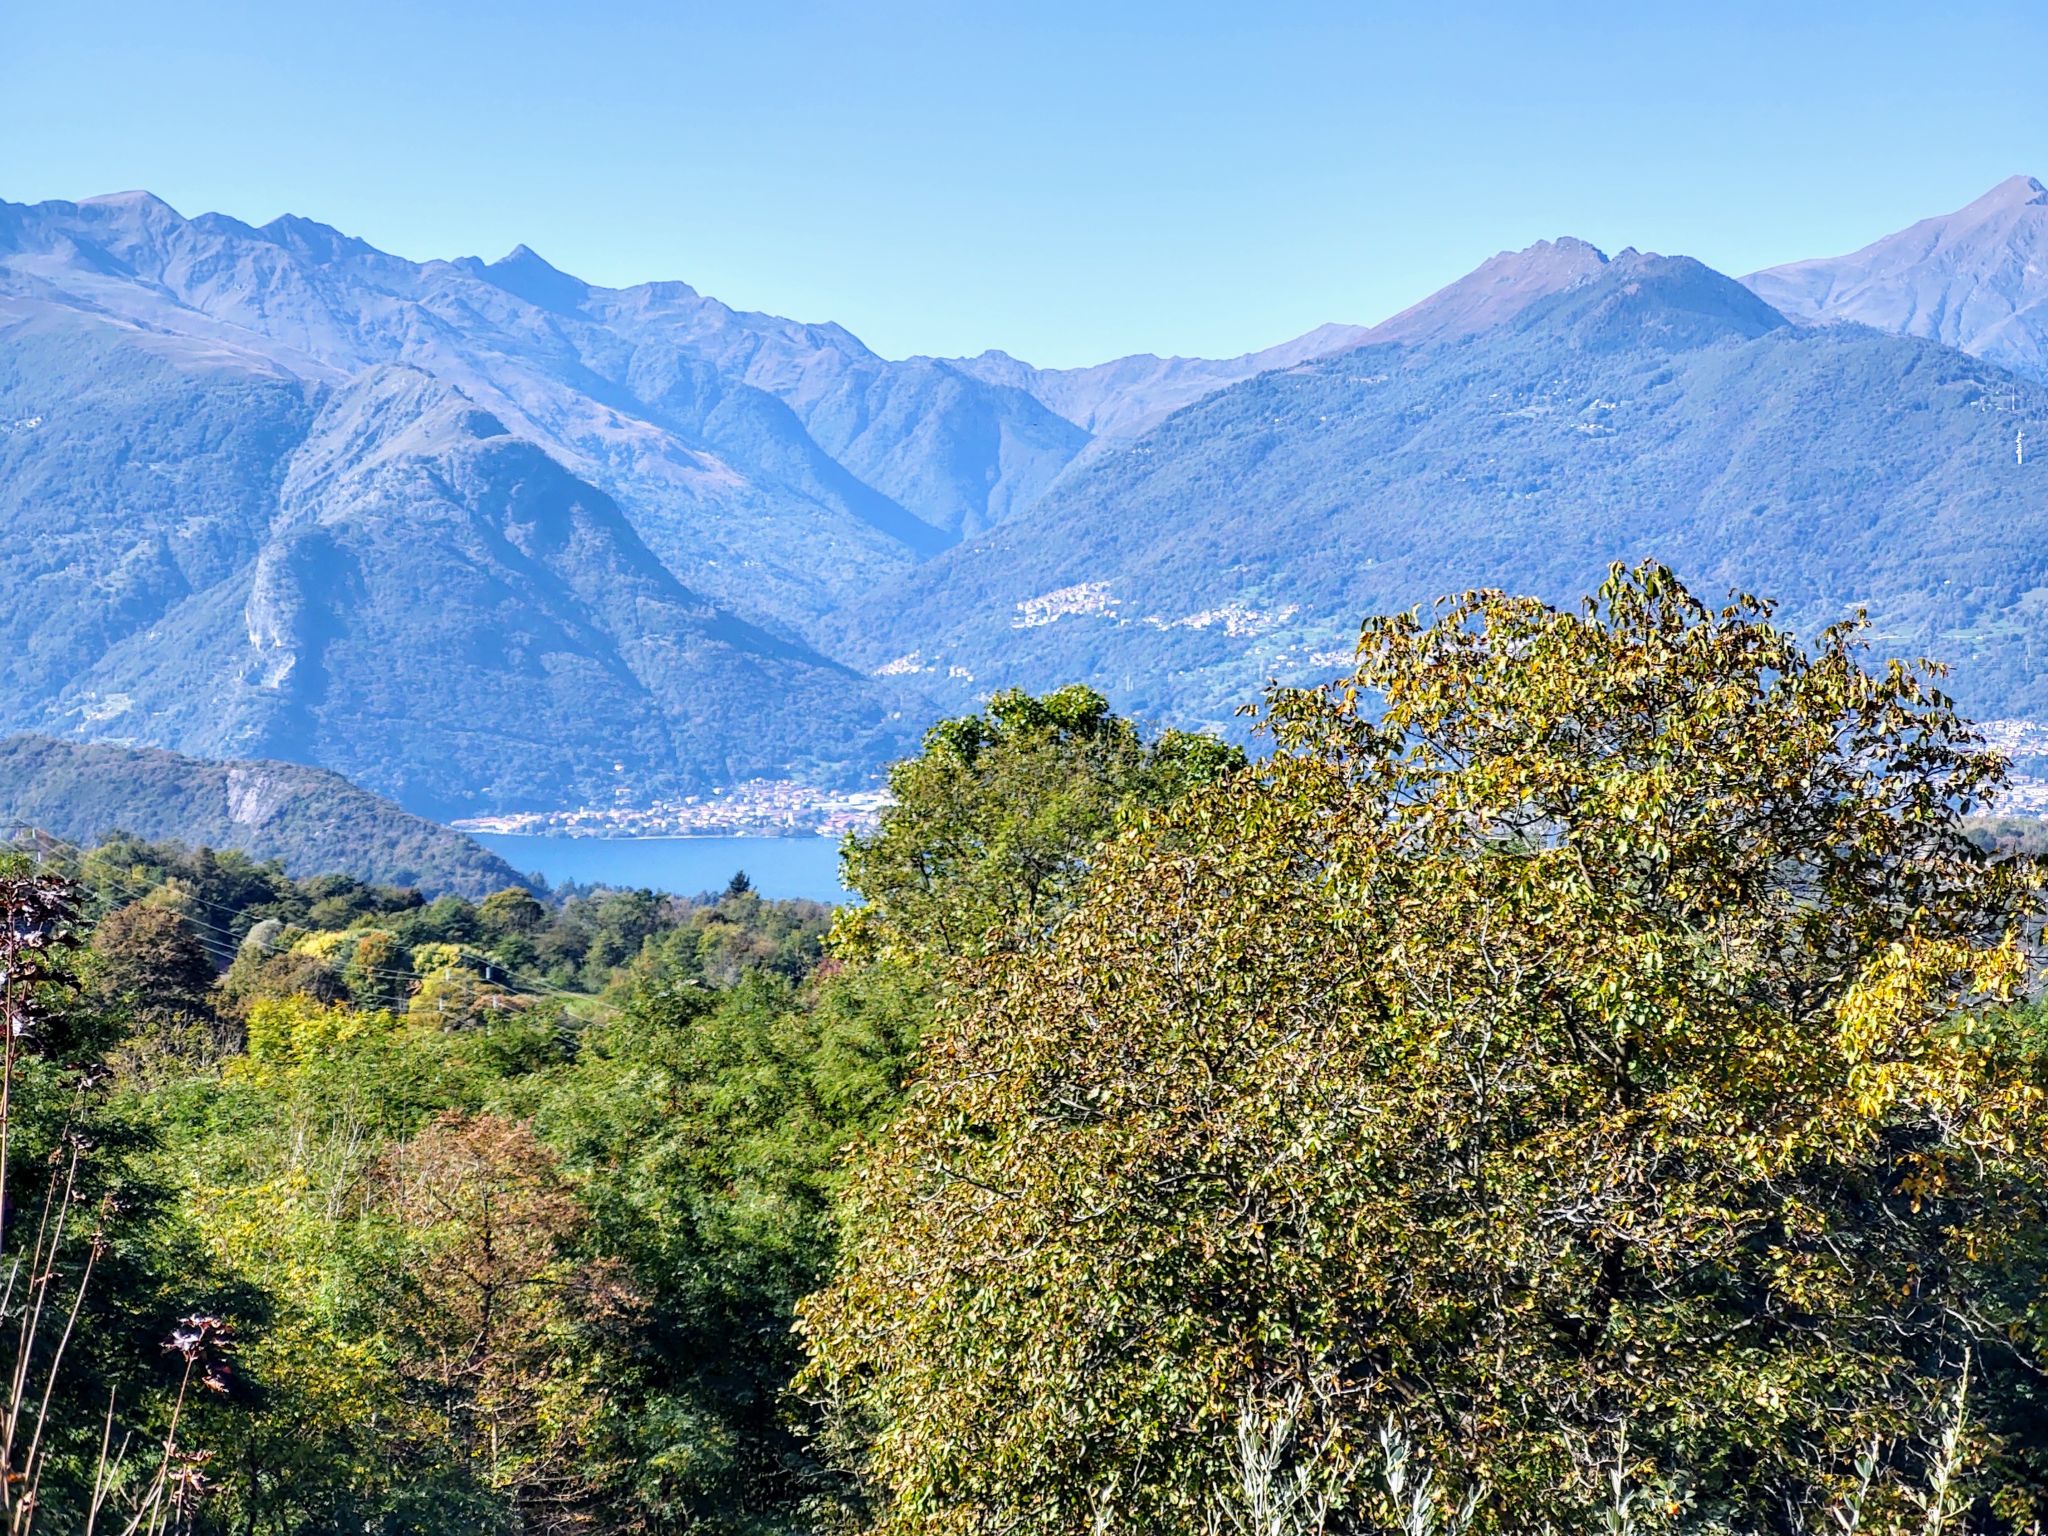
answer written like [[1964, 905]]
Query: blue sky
[[1066, 181]]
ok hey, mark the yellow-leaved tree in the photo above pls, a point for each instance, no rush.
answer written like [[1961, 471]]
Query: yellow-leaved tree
[[1573, 1053]]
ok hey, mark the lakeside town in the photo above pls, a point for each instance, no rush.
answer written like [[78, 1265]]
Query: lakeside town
[[790, 808], [2024, 745], [756, 808]]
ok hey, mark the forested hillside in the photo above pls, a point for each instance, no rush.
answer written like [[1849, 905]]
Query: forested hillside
[[1581, 1077], [310, 821], [1653, 408]]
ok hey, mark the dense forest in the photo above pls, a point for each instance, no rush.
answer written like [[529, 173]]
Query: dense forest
[[1577, 1075]]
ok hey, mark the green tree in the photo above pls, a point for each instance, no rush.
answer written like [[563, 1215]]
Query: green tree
[[1571, 1047], [995, 820], [511, 912], [147, 963], [95, 1270], [706, 1131], [294, 1173]]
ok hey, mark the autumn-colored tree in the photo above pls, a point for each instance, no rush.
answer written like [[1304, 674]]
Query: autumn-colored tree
[[502, 1327], [700, 1106], [149, 957], [1571, 1050]]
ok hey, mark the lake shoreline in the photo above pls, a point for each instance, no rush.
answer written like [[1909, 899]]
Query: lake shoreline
[[665, 837]]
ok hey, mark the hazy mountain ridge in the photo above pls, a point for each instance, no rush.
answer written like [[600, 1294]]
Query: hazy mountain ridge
[[312, 821], [1129, 395], [1653, 408], [702, 416], [1975, 279], [487, 537], [437, 609]]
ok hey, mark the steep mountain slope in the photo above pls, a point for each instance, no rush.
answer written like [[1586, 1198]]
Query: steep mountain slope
[[416, 598], [1651, 408], [313, 821], [1976, 279], [484, 537], [1132, 394], [1495, 293], [135, 471], [775, 465]]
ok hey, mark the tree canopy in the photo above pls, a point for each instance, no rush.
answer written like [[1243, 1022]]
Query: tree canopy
[[1577, 1079], [502, 1209], [995, 821], [1575, 1051]]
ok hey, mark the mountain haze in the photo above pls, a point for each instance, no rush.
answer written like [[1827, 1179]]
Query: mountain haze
[[434, 581], [1647, 407], [749, 445], [1975, 279], [483, 536], [1125, 397], [373, 576]]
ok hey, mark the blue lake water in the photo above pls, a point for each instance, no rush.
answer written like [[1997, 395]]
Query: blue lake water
[[778, 866]]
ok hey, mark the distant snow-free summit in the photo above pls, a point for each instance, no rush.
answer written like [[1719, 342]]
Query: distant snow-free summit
[[482, 536], [1127, 395], [1975, 279]]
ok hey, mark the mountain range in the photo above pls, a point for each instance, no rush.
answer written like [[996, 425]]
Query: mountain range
[[1649, 407], [486, 537]]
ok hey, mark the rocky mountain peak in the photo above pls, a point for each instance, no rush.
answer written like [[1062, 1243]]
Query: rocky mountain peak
[[1495, 292], [525, 274], [2013, 192]]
